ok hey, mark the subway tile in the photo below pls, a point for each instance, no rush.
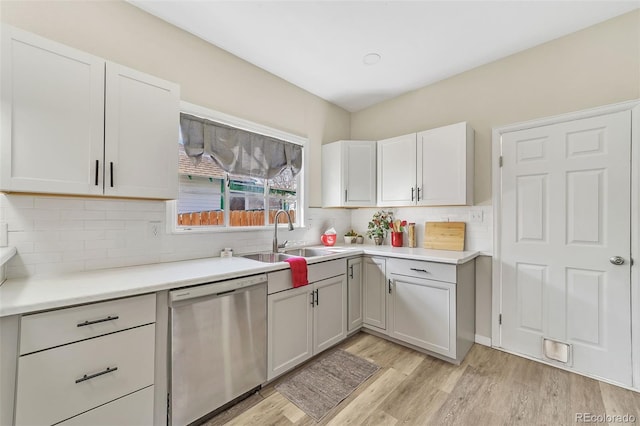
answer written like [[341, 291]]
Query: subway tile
[[57, 246], [68, 256], [19, 270], [58, 203], [105, 205], [20, 201], [58, 268], [103, 244], [83, 235], [85, 215], [103, 224], [36, 258]]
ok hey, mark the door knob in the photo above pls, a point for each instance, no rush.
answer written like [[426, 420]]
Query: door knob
[[616, 260]]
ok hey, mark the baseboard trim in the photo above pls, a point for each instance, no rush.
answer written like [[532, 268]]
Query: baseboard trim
[[483, 340]]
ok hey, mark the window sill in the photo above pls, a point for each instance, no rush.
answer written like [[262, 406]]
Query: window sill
[[217, 230]]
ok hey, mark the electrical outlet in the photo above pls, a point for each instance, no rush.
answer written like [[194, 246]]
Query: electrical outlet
[[476, 216], [154, 229]]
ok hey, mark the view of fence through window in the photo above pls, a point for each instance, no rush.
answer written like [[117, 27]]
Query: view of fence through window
[[207, 192]]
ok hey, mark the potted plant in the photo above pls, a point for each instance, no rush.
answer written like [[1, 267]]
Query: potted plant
[[379, 226], [350, 237]]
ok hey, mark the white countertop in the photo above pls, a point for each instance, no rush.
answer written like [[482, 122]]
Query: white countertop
[[6, 253], [31, 294]]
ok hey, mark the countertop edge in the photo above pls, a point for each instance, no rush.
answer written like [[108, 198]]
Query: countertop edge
[[6, 253], [17, 289]]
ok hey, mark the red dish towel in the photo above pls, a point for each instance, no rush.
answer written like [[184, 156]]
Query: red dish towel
[[298, 267]]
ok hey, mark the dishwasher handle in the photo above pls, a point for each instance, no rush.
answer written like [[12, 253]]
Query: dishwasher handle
[[215, 289]]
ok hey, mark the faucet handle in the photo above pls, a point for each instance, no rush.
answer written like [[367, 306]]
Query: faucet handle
[[283, 245]]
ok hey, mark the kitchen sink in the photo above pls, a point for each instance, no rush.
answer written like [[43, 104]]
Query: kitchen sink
[[308, 252], [267, 257]]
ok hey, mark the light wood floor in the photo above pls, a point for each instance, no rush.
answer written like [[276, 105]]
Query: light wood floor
[[489, 388]]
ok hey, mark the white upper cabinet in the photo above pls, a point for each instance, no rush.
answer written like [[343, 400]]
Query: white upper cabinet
[[52, 116], [69, 118], [429, 168], [397, 171], [349, 174], [445, 165], [141, 134]]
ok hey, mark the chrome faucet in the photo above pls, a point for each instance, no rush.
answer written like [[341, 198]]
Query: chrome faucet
[[277, 246]]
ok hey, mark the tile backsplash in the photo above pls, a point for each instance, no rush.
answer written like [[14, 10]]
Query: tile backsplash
[[67, 234]]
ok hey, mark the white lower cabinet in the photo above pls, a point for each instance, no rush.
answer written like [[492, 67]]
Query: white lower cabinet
[[354, 293], [131, 410], [432, 306], [329, 313], [374, 293], [74, 374], [304, 321], [423, 313], [290, 329]]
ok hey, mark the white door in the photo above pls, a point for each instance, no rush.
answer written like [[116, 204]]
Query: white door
[[52, 116], [141, 134], [360, 173], [566, 212], [374, 289], [354, 293], [397, 171], [329, 313], [290, 327]]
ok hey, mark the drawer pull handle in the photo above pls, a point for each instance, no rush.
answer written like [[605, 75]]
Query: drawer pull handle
[[419, 270], [92, 376], [109, 318]]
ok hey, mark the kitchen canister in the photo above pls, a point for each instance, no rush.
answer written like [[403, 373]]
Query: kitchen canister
[[412, 235]]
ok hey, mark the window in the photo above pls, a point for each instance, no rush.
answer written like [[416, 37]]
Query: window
[[257, 181]]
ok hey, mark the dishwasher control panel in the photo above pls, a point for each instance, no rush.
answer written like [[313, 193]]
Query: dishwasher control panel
[[217, 288]]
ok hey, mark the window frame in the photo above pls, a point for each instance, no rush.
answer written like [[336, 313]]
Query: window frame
[[240, 123]]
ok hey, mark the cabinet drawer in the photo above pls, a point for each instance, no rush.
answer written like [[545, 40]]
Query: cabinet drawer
[[281, 280], [422, 269], [132, 410], [55, 328], [52, 386]]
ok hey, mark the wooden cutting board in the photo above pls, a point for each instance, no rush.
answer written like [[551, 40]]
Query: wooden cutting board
[[444, 235]]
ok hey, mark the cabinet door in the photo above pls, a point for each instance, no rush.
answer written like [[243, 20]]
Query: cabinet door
[[52, 116], [423, 313], [445, 165], [141, 135], [330, 313], [359, 171], [289, 340], [354, 296], [397, 171], [374, 291]]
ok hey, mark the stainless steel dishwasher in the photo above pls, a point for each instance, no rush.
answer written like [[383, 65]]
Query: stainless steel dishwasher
[[218, 345]]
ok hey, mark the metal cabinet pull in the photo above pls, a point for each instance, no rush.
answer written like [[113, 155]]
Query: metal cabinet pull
[[351, 273], [418, 188], [109, 318], [419, 270], [91, 376], [313, 300], [412, 190], [389, 286], [97, 168], [111, 172], [317, 298], [345, 195]]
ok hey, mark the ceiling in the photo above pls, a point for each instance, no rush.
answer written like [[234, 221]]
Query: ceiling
[[320, 45]]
